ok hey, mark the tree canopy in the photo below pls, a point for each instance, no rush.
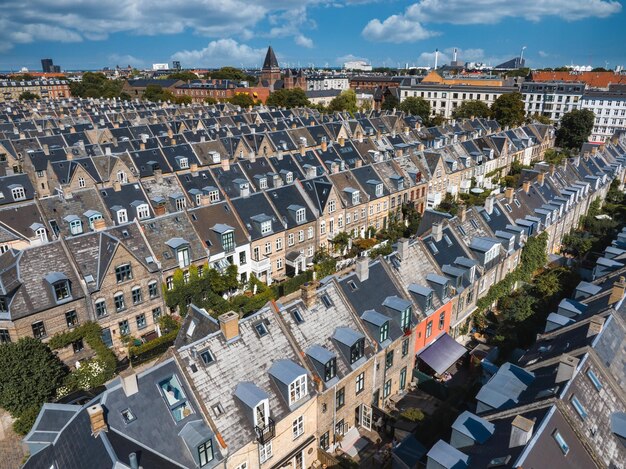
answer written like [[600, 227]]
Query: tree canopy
[[346, 101], [29, 375], [232, 73], [540, 118], [242, 99], [183, 76], [28, 96], [472, 108], [575, 128], [416, 107], [390, 103], [97, 85], [288, 98], [508, 109]]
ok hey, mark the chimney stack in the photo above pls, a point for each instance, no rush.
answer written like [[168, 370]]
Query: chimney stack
[[229, 325], [565, 371], [508, 193], [521, 431], [308, 293], [363, 268], [158, 175], [132, 461], [99, 224], [462, 213], [129, 382], [526, 186], [403, 248], [96, 418], [552, 169], [341, 141], [437, 231], [324, 145], [225, 164], [541, 178], [595, 326], [159, 210], [489, 201], [618, 290], [117, 186]]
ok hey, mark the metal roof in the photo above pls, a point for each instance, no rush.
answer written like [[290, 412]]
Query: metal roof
[[286, 371], [250, 394]]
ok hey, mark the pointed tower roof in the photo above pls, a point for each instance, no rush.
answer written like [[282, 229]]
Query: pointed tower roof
[[270, 59]]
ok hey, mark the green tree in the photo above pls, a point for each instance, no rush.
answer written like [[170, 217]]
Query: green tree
[[210, 100], [436, 121], [599, 69], [390, 103], [29, 375], [186, 76], [346, 101], [517, 308], [97, 85], [416, 107], [28, 96], [157, 93], [288, 98], [472, 108], [508, 109], [234, 74], [575, 128], [184, 99], [242, 99], [540, 118]]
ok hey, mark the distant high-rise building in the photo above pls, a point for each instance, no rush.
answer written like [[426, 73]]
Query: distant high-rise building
[[176, 65], [56, 69], [270, 73], [46, 65]]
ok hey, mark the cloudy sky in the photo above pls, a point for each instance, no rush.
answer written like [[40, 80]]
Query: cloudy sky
[[90, 34]]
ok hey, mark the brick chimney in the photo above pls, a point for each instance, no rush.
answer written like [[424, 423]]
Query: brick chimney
[[129, 382], [158, 175], [618, 290], [526, 186], [159, 210], [462, 213], [308, 293], [489, 201], [193, 167], [437, 231], [565, 371], [363, 268], [341, 141], [225, 164], [99, 225], [521, 431], [324, 145], [403, 248], [508, 193], [595, 326], [117, 186], [229, 325], [96, 418]]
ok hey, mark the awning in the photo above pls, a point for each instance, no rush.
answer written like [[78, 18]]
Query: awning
[[442, 353]]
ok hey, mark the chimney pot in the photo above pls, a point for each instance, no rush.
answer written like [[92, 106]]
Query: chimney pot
[[508, 193], [595, 326], [225, 164], [117, 186], [403, 248], [618, 290], [308, 293], [526, 186], [229, 325]]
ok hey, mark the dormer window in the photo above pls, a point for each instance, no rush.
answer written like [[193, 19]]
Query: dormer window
[[289, 177], [76, 226], [143, 211], [330, 369], [41, 234], [214, 196], [266, 227], [228, 241], [405, 321], [379, 190], [356, 197], [60, 286], [182, 254], [180, 203], [263, 183], [261, 414], [122, 216], [300, 215], [183, 163], [18, 193], [429, 302], [357, 350], [297, 389], [384, 332], [92, 217], [205, 453]]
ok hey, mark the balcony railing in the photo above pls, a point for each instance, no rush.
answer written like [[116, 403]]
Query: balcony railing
[[265, 433], [260, 266]]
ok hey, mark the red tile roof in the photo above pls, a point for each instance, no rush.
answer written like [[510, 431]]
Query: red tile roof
[[592, 79]]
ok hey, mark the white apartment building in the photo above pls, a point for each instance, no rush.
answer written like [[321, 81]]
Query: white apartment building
[[327, 82], [552, 99], [610, 110], [444, 99]]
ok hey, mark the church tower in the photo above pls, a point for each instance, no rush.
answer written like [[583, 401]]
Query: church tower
[[270, 73]]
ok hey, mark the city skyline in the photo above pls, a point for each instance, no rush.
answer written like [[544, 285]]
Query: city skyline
[[211, 33]]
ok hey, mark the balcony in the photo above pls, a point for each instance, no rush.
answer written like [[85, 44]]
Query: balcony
[[260, 266], [266, 433]]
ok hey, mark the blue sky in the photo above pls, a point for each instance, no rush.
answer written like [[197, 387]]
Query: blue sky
[[90, 34]]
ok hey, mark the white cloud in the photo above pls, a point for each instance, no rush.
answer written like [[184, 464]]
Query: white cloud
[[543, 54], [349, 58], [304, 41], [412, 24], [219, 53]]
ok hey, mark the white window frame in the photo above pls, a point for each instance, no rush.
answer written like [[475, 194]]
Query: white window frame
[[300, 215], [297, 389], [122, 216], [76, 227], [297, 427], [266, 227], [265, 452], [143, 211], [18, 193]]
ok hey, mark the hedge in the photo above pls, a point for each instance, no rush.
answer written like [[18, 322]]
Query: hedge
[[291, 285], [144, 352]]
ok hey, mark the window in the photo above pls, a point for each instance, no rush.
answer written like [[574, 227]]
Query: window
[[41, 235], [71, 318], [356, 198], [357, 350], [169, 283], [325, 441], [279, 245], [379, 190], [266, 227], [297, 389], [384, 332], [119, 302], [330, 369], [389, 359], [340, 398], [300, 236], [387, 389], [181, 203], [62, 290], [429, 329], [332, 206], [39, 330], [207, 357], [561, 442], [300, 215], [406, 319], [594, 379], [403, 378], [81, 182], [310, 232], [143, 211], [205, 452], [322, 227], [136, 294], [265, 452], [153, 290], [298, 427], [76, 227], [124, 327], [279, 264], [101, 308], [360, 383], [290, 239], [261, 413], [5, 337], [580, 410], [442, 320], [141, 321], [122, 216], [123, 273], [261, 329], [18, 193], [228, 241], [268, 247], [4, 306], [128, 416], [405, 347], [156, 314], [183, 257]]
